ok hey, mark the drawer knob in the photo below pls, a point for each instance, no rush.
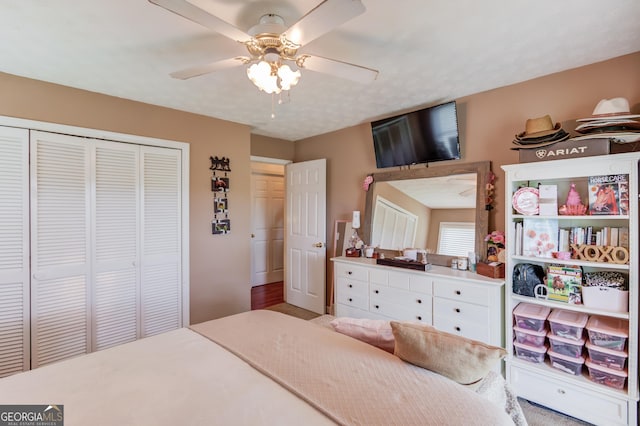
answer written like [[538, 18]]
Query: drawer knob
[[561, 391], [458, 292], [419, 300], [376, 291], [419, 318], [457, 328], [350, 285], [457, 310], [349, 272], [350, 300], [377, 306]]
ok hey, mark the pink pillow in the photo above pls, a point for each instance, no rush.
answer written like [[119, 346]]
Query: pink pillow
[[374, 332]]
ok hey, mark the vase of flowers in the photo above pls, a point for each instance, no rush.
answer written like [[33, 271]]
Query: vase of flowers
[[495, 246]]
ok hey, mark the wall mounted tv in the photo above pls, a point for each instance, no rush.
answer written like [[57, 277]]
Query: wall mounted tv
[[422, 136]]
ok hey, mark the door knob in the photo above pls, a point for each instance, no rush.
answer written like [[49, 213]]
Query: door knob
[[319, 245]]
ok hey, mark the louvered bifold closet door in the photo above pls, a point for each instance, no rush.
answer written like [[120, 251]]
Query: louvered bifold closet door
[[60, 242], [161, 240], [116, 236], [14, 250]]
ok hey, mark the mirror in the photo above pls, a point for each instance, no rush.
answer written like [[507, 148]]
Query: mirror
[[453, 193]]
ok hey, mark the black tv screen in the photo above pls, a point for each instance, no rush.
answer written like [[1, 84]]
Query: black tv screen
[[422, 136]]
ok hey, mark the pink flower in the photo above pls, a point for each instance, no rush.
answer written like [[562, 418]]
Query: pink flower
[[497, 238]]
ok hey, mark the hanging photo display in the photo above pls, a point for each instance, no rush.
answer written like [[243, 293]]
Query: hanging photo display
[[220, 184]]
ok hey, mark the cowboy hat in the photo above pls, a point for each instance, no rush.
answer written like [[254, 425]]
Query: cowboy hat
[[611, 108], [539, 127]]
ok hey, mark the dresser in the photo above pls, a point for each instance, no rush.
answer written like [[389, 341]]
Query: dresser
[[458, 302]]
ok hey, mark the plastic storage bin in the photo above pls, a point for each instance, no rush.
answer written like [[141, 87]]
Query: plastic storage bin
[[563, 346], [568, 364], [606, 376], [531, 317], [610, 333], [530, 353], [529, 337], [616, 360], [605, 298], [567, 324]]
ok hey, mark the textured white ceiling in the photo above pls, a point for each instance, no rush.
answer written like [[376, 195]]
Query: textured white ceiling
[[427, 52]]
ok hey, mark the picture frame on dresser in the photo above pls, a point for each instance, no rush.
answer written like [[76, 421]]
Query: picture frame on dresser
[[581, 391]]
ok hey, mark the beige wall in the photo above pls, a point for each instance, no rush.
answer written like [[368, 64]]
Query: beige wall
[[488, 122], [220, 265], [263, 146], [446, 215], [220, 281]]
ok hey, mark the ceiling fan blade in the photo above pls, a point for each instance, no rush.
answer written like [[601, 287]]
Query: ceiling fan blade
[[202, 17], [209, 68], [323, 18], [338, 68]]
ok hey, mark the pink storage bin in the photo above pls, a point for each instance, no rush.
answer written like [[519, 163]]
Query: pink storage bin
[[616, 360], [530, 337], [563, 346], [531, 317], [606, 332], [530, 353], [568, 364], [567, 324], [606, 376]]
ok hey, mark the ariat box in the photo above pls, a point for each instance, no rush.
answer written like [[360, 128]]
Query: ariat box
[[567, 324], [563, 346], [530, 353], [610, 333], [530, 337], [606, 376], [616, 360], [531, 317], [568, 364]]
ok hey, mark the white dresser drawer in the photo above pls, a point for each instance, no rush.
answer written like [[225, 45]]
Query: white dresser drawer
[[399, 280], [470, 330], [464, 291], [574, 400], [461, 311], [400, 312], [394, 295], [353, 299], [351, 286], [379, 276], [355, 272]]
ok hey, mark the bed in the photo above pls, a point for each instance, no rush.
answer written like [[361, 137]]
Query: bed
[[254, 368]]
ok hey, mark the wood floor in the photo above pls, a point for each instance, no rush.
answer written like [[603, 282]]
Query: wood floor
[[267, 295]]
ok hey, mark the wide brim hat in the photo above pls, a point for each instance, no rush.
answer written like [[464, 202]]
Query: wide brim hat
[[619, 137], [617, 108], [608, 125], [538, 128], [560, 135], [539, 144]]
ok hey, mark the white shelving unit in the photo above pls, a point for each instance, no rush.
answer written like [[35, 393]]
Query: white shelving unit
[[577, 396]]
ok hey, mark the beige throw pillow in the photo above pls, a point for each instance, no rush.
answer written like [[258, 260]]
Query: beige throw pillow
[[464, 360], [374, 332]]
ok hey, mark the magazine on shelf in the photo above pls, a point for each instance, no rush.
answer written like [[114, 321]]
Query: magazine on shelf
[[539, 237], [564, 284], [609, 195]]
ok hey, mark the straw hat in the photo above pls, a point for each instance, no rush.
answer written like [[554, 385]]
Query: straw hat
[[539, 127], [616, 108]]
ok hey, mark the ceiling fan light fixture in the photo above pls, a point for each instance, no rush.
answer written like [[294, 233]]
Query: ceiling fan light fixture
[[273, 77]]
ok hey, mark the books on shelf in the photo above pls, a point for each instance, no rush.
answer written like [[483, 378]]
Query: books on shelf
[[609, 195], [539, 237]]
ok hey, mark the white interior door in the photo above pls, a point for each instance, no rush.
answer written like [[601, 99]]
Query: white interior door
[[14, 250], [267, 222], [306, 235]]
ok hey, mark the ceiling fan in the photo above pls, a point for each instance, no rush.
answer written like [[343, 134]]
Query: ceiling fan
[[271, 46]]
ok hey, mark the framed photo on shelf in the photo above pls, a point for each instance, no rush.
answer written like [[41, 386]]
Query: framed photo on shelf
[[220, 184], [221, 226], [220, 205]]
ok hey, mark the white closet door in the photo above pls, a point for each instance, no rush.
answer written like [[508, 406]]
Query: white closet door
[[60, 247], [14, 250], [116, 249], [161, 240]]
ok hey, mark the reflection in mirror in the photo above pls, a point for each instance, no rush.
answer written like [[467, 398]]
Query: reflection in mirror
[[432, 208]]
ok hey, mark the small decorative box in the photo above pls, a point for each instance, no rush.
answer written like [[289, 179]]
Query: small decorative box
[[491, 270]]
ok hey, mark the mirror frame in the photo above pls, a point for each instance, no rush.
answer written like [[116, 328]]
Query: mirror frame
[[480, 168]]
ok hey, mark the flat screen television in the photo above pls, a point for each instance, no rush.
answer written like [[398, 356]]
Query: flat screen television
[[422, 136]]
